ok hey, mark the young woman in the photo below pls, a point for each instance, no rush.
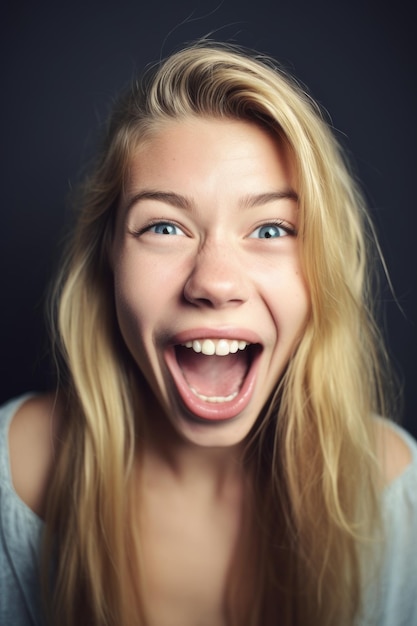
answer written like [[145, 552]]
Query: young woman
[[212, 455]]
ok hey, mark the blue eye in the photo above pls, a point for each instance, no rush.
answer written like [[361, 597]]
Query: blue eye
[[165, 228], [270, 231]]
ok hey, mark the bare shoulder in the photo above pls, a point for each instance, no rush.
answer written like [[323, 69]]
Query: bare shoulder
[[393, 452], [33, 437]]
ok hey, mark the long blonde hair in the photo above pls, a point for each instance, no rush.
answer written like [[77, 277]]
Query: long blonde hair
[[312, 448]]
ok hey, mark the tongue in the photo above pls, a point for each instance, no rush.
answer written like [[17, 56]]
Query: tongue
[[213, 375]]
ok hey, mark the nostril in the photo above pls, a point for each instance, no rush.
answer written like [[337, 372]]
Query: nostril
[[212, 302], [212, 288]]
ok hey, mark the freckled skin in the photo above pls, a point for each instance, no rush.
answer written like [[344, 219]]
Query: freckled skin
[[208, 260]]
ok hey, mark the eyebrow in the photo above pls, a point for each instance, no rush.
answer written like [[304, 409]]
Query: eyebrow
[[252, 201], [182, 202], [169, 197]]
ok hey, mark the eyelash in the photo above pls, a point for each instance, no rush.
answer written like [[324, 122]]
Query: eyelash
[[151, 224], [285, 226]]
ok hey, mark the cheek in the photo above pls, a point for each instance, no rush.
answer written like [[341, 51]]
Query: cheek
[[144, 292], [137, 293], [299, 300], [289, 305], [131, 303]]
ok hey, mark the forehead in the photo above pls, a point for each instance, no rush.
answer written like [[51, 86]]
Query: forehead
[[210, 150]]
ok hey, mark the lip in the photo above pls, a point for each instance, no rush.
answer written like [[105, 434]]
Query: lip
[[215, 333], [198, 408]]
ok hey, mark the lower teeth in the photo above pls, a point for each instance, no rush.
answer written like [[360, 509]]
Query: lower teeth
[[214, 399]]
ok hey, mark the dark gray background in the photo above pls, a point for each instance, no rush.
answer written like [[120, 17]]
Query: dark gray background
[[63, 63]]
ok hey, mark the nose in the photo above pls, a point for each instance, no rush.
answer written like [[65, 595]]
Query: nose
[[217, 278]]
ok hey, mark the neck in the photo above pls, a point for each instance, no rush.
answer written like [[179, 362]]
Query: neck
[[165, 451]]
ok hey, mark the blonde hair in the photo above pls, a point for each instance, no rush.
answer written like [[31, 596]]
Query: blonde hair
[[312, 448]]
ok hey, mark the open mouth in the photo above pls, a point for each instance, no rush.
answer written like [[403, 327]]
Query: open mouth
[[214, 377]]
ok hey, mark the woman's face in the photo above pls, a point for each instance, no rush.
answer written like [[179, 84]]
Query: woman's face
[[209, 292]]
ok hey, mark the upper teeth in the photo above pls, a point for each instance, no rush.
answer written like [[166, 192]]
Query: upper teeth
[[220, 347]]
